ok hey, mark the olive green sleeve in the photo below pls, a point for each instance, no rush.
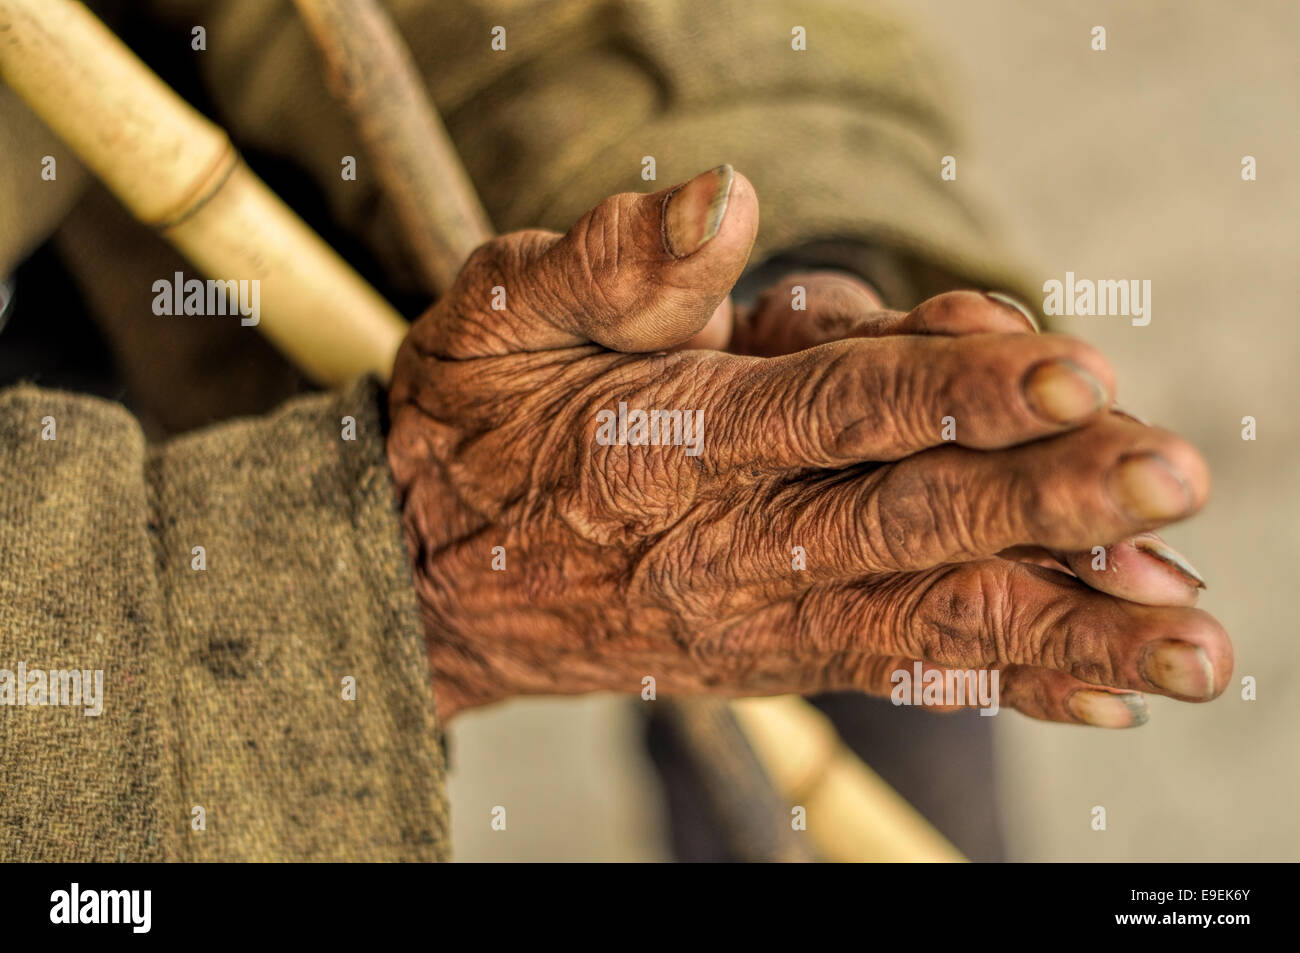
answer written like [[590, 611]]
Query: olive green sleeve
[[246, 595]]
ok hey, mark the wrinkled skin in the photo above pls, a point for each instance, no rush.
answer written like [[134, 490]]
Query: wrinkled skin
[[823, 429]]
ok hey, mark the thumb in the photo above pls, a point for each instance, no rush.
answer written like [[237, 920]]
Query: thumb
[[648, 271], [639, 272]]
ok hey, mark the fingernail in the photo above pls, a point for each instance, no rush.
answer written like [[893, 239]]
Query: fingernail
[[1148, 488], [694, 211], [1159, 549], [1007, 301], [1063, 392], [1108, 709], [1179, 667]]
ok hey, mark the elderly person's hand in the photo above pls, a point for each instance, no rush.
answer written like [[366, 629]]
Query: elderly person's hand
[[818, 520]]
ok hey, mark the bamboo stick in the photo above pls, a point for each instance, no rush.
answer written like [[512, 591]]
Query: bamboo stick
[[852, 813], [752, 813], [371, 71], [178, 172]]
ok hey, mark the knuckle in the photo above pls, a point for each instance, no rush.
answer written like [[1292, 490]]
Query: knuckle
[[473, 313], [974, 380], [812, 409], [627, 487], [485, 267], [955, 510], [922, 515], [845, 524], [1022, 625], [667, 574], [1073, 644], [843, 407], [503, 261], [986, 512], [927, 392], [1044, 508], [956, 615], [881, 540], [1060, 633], [601, 243], [894, 401]]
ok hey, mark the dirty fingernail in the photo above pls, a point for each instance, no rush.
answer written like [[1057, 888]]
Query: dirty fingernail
[[1007, 301], [1063, 392], [1158, 549], [1148, 488], [1179, 667], [1108, 709], [694, 212]]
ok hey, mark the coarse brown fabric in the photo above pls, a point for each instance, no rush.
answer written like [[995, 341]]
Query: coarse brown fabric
[[223, 687]]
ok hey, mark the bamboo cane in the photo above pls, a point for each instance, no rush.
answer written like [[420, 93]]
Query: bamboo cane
[[178, 172], [370, 69], [751, 812], [852, 813]]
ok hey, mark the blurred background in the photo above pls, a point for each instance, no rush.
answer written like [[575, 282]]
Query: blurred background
[[1117, 164]]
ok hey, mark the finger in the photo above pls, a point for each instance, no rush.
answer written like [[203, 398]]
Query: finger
[[639, 272], [997, 613], [1093, 486], [1039, 693], [1142, 569], [1055, 696], [839, 306], [885, 399], [1105, 483], [968, 312], [810, 308]]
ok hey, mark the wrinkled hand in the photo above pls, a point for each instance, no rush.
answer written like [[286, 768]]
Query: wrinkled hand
[[893, 463]]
